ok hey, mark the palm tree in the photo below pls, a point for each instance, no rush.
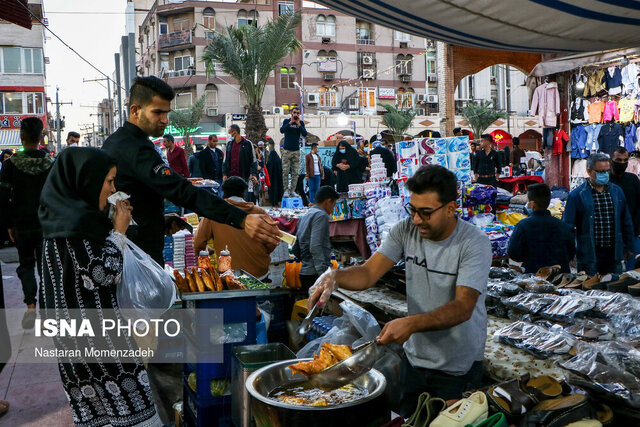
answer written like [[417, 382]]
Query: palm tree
[[398, 121], [249, 54], [186, 122], [481, 115]]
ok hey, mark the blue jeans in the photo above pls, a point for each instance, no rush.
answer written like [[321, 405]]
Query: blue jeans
[[631, 262], [314, 184]]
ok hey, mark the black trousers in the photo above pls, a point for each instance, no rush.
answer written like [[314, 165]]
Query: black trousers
[[29, 245], [5, 342], [307, 281]]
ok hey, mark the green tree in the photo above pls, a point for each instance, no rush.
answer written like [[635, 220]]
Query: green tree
[[250, 54], [480, 116], [397, 120], [186, 121]]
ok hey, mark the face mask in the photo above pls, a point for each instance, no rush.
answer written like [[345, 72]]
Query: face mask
[[602, 178], [342, 150], [619, 168]]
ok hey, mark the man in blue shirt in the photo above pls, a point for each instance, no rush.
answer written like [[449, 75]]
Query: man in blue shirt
[[292, 129], [541, 240]]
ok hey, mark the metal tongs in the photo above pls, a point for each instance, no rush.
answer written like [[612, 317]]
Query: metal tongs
[[344, 372], [299, 333]]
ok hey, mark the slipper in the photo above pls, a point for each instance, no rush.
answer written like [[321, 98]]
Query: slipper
[[4, 407], [565, 280], [604, 414], [547, 273], [544, 387], [622, 284], [593, 283]]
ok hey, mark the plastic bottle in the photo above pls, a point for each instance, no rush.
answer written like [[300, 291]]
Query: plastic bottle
[[214, 258], [334, 262], [224, 260], [298, 267], [289, 280], [203, 260]]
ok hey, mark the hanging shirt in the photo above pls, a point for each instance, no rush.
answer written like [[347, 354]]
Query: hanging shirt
[[559, 138], [610, 137], [630, 137], [579, 111], [627, 109], [613, 80], [610, 112], [579, 143], [593, 130], [546, 104], [595, 84], [595, 111], [629, 78]]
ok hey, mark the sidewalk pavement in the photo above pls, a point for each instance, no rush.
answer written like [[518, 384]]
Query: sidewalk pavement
[[34, 391]]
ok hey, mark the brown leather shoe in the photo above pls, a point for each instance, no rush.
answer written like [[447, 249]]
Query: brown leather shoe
[[593, 283]]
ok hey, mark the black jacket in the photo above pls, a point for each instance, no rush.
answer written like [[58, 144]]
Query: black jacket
[[248, 164], [21, 181], [630, 185], [143, 175], [208, 168], [388, 158]]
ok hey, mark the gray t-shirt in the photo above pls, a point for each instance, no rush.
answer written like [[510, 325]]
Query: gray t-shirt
[[433, 271]]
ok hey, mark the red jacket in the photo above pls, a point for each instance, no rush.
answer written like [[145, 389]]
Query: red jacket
[[178, 161]]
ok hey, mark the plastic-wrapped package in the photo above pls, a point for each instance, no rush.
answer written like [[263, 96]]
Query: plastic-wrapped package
[[502, 273], [515, 333], [612, 304], [531, 303], [519, 315], [537, 340], [502, 289], [568, 307], [590, 330]]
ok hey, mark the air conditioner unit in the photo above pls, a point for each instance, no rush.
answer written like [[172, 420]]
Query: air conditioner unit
[[329, 76], [431, 44], [422, 97], [367, 60], [404, 45], [353, 103], [421, 111], [182, 72], [367, 74], [312, 98], [405, 78], [432, 78], [277, 110], [212, 111], [323, 113], [326, 40], [432, 99]]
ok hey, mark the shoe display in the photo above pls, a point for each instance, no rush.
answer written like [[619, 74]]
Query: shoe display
[[428, 408], [495, 420], [593, 283], [559, 412], [471, 410], [29, 319]]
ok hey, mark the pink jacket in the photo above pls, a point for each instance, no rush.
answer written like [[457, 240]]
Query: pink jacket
[[546, 103], [610, 112]]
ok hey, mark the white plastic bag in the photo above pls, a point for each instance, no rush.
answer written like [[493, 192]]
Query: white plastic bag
[[145, 285]]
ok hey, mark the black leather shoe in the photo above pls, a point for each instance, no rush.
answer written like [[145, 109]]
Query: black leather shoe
[[558, 412]]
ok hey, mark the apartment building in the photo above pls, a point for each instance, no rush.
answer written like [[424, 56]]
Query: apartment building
[[22, 76]]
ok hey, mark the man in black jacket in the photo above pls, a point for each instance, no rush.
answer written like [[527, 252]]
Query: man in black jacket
[[240, 159], [21, 181], [211, 159], [143, 175]]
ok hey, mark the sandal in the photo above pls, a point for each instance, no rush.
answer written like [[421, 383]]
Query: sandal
[[544, 387], [510, 398], [593, 283], [548, 273]]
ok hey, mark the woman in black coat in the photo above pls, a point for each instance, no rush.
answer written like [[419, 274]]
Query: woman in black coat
[[347, 166]]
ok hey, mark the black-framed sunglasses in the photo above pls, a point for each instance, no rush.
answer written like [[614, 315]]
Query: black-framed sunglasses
[[424, 215]]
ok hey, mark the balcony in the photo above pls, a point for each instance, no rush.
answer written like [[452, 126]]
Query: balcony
[[174, 39], [180, 73], [369, 42]]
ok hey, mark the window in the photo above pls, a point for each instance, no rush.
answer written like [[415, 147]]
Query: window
[[363, 31], [431, 63], [12, 102], [367, 97], [12, 63], [287, 108], [182, 62], [287, 78], [34, 103], [247, 18], [313, 5], [182, 100], [285, 7], [209, 18], [211, 95], [164, 61], [182, 24], [404, 98], [326, 25], [327, 97], [33, 61], [404, 65], [401, 37], [164, 26]]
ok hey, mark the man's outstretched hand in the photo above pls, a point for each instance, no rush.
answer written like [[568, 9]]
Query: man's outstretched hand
[[263, 228]]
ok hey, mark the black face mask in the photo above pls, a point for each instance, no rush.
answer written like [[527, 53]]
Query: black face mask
[[619, 168]]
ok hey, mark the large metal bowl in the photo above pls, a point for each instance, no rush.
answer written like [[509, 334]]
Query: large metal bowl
[[371, 410]]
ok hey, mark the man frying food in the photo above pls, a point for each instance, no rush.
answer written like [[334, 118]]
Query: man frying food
[[447, 264]]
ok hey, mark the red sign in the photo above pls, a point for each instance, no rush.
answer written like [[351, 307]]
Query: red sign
[[12, 121]]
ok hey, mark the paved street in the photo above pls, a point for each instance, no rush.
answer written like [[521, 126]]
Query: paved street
[[34, 391]]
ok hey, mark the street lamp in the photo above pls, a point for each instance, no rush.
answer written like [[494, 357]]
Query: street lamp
[[342, 119]]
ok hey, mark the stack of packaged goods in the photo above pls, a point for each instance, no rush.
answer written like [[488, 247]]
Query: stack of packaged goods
[[179, 251], [167, 251], [478, 199], [192, 219], [190, 259], [342, 211], [381, 212], [378, 169]]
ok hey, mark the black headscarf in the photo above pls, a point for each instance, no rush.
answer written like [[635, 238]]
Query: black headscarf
[[69, 204]]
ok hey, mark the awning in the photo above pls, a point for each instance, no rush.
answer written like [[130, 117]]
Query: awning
[[10, 138], [542, 26], [574, 62], [13, 11]]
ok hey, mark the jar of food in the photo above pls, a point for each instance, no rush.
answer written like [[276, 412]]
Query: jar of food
[[203, 259], [224, 260]]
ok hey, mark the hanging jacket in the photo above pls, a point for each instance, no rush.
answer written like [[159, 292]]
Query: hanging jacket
[[593, 130], [613, 80], [630, 137], [579, 143], [595, 111], [627, 109], [610, 112], [629, 78], [610, 137], [579, 111], [595, 84], [546, 103]]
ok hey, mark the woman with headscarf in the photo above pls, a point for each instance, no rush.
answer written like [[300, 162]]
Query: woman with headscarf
[[347, 165], [82, 266], [274, 168]]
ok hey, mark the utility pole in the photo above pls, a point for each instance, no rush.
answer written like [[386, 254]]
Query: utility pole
[[109, 94], [58, 120]]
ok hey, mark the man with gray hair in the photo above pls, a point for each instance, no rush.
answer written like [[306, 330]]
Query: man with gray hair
[[598, 211]]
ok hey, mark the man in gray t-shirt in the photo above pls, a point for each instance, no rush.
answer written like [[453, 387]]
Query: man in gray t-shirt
[[447, 265]]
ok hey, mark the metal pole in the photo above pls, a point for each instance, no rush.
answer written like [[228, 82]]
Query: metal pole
[[110, 107], [117, 58], [58, 121]]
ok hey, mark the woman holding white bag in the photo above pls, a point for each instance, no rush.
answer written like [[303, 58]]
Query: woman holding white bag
[[82, 266]]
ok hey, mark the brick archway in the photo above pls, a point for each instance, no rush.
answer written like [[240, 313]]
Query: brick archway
[[468, 61]]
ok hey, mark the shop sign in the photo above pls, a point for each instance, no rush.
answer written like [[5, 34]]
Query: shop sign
[[173, 131], [238, 117], [386, 93], [12, 121]]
